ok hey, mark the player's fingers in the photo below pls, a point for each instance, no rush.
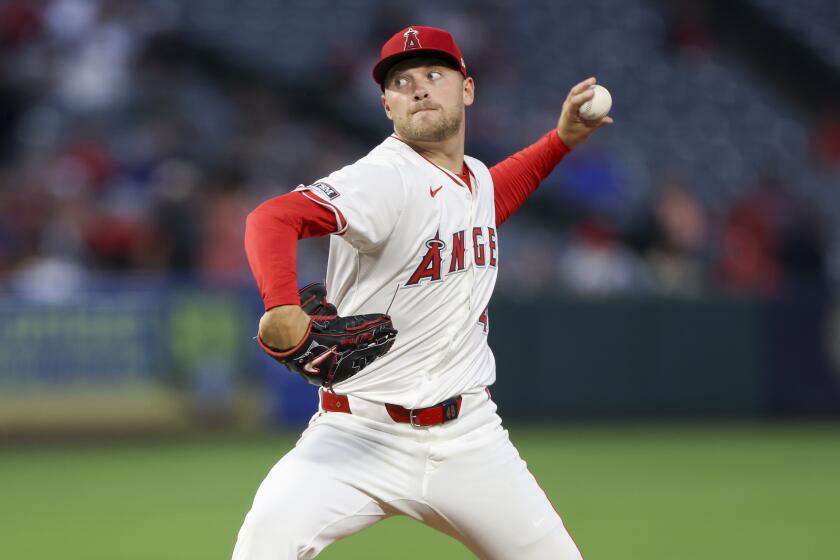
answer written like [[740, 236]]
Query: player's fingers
[[582, 86], [603, 121], [575, 101]]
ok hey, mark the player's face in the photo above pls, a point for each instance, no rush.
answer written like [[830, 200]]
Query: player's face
[[426, 99]]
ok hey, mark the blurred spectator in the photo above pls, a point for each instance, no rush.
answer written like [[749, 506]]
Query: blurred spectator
[[529, 254], [688, 30], [832, 339], [595, 262], [827, 139], [97, 45], [49, 279], [11, 104], [674, 239], [590, 180], [115, 131], [20, 21], [802, 250], [772, 240], [222, 258], [178, 210], [749, 261]]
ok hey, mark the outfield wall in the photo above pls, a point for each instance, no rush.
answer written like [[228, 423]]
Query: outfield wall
[[168, 357], [632, 356]]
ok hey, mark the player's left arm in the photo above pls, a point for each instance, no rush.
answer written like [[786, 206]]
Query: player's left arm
[[272, 231], [515, 178]]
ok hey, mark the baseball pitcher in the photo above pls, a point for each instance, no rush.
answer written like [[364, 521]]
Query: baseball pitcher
[[397, 339]]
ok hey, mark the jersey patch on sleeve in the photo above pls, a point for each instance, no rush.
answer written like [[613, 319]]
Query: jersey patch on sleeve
[[330, 192]]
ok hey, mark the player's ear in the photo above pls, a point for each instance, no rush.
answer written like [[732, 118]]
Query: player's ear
[[469, 91], [386, 107]]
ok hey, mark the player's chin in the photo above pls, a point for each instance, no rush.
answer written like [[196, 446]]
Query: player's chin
[[428, 122], [423, 130], [428, 133]]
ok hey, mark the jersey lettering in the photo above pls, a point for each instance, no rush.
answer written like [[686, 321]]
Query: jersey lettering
[[326, 189], [457, 262], [484, 320], [430, 264], [478, 247], [491, 243]]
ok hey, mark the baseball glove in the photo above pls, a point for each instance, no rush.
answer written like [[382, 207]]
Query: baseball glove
[[334, 348]]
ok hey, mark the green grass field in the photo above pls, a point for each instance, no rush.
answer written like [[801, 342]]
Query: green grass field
[[638, 492]]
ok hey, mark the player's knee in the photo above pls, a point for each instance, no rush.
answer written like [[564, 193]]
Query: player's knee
[[273, 532], [555, 545], [563, 545]]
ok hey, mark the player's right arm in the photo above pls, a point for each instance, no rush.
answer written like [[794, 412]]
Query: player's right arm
[[272, 231], [519, 175], [515, 178]]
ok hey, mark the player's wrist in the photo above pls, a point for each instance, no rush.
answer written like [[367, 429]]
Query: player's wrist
[[558, 143], [282, 328]]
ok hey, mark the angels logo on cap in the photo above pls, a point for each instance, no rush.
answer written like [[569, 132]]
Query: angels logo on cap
[[412, 39], [405, 43]]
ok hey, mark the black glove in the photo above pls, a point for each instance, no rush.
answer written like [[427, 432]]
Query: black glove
[[334, 348]]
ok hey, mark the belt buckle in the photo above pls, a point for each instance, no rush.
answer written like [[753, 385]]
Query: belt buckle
[[448, 407], [412, 414]]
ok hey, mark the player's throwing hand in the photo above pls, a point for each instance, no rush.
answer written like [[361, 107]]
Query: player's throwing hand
[[571, 128]]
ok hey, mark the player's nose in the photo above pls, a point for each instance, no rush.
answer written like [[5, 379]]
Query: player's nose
[[420, 93]]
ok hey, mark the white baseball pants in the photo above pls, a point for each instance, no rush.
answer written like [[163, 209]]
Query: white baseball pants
[[349, 471]]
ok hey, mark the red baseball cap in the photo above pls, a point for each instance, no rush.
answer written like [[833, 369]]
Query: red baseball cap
[[417, 41]]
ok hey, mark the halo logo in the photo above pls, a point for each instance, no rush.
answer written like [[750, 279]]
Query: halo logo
[[412, 39]]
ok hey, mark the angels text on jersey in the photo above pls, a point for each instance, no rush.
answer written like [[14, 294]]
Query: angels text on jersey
[[431, 264]]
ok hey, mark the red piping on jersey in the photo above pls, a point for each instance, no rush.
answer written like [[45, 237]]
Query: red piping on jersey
[[341, 221]]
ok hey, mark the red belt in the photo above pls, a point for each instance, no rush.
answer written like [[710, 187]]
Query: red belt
[[430, 416]]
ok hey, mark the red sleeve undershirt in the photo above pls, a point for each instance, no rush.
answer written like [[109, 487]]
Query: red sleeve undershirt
[[272, 231], [274, 227], [515, 178]]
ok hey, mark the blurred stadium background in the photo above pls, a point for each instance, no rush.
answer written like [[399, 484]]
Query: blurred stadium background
[[688, 257]]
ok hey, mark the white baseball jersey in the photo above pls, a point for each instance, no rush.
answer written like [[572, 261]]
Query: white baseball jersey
[[416, 242]]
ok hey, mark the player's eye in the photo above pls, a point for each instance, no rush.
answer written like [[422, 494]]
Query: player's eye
[[401, 82], [434, 75]]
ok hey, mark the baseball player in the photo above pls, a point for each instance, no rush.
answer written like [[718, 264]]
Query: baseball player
[[397, 339]]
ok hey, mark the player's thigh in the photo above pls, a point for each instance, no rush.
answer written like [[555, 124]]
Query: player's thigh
[[307, 501], [495, 506]]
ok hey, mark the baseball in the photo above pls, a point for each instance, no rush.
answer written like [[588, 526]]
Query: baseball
[[598, 106]]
